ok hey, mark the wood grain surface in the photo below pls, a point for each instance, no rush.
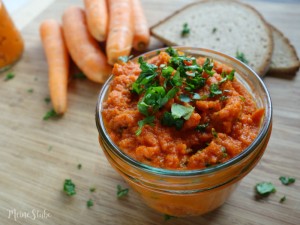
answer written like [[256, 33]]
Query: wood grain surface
[[36, 156]]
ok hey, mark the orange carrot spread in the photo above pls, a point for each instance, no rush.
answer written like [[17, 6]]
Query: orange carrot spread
[[178, 112]]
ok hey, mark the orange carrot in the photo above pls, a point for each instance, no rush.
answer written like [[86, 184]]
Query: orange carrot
[[120, 31], [83, 48], [58, 63], [97, 18], [141, 36]]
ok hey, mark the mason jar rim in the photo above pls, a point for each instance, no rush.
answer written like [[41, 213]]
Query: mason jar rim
[[185, 173]]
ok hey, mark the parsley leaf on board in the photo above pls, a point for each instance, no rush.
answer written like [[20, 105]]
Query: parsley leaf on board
[[287, 180], [9, 76], [265, 188], [50, 114], [69, 187], [89, 203], [122, 192]]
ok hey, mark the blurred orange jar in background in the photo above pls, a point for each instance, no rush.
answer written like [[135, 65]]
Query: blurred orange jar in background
[[11, 42]]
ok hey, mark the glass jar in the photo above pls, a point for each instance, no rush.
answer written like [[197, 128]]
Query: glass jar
[[191, 192], [11, 42]]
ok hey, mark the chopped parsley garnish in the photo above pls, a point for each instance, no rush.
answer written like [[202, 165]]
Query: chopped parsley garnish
[[282, 199], [202, 127], [208, 66], [92, 189], [125, 58], [265, 188], [50, 114], [169, 120], [89, 203], [184, 98], [226, 77], [79, 166], [214, 90], [214, 30], [9, 76], [242, 98], [214, 132], [185, 30], [141, 123], [241, 56], [50, 148], [30, 90], [122, 192], [287, 180], [180, 111], [79, 75], [172, 52], [146, 77], [69, 187]]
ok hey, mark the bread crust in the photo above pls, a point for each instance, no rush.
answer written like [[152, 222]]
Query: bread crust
[[262, 70], [285, 71]]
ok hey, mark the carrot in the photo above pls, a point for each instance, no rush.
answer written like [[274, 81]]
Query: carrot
[[97, 18], [83, 48], [141, 36], [120, 31], [58, 63]]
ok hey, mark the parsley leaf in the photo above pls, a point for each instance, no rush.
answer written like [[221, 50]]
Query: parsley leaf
[[9, 76], [185, 30], [122, 192], [141, 123], [179, 111], [202, 127], [283, 198], [125, 58], [50, 114], [89, 203], [30, 90], [69, 187], [169, 120], [184, 98], [241, 56], [265, 188], [214, 30], [214, 132], [146, 77], [172, 52], [208, 66], [287, 180], [214, 90], [92, 189], [79, 166]]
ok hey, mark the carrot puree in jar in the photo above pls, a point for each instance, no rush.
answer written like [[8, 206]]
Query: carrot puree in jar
[[11, 42], [178, 112]]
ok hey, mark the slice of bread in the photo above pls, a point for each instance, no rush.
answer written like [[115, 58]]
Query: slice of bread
[[285, 61], [221, 25]]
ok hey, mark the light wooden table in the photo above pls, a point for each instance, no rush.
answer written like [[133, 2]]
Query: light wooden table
[[36, 156]]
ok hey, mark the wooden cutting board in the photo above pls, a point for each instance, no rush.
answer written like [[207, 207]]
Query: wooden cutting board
[[36, 156]]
